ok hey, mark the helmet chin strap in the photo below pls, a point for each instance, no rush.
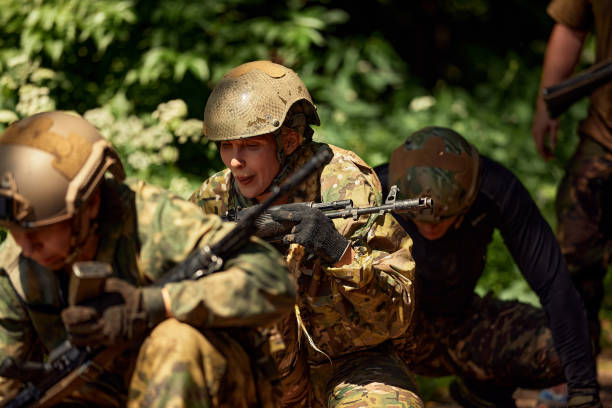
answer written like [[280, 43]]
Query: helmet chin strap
[[79, 236], [297, 123]]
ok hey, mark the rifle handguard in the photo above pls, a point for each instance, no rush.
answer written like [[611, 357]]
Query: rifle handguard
[[22, 371]]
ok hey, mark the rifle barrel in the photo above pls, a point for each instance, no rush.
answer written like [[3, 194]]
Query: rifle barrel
[[412, 204]]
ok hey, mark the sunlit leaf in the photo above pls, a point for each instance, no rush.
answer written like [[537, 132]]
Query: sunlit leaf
[[54, 48], [199, 67]]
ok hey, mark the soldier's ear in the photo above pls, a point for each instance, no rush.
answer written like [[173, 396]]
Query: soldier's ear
[[291, 140]]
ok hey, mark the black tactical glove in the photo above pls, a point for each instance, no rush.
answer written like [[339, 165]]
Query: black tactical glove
[[122, 313], [313, 230], [584, 398]]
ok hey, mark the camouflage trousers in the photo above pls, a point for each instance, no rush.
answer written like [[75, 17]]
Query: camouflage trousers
[[360, 380], [584, 212], [179, 366], [496, 347], [371, 378]]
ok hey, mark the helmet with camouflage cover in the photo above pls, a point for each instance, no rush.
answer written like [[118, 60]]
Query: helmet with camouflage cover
[[254, 99], [50, 163], [439, 163]]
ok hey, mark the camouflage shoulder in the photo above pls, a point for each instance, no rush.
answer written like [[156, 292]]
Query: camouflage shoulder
[[9, 254], [340, 153], [164, 217], [348, 176], [169, 228], [162, 212], [136, 184], [25, 279], [10, 304], [213, 195], [152, 193], [9, 262]]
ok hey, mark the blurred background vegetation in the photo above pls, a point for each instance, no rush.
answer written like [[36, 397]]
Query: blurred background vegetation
[[378, 70]]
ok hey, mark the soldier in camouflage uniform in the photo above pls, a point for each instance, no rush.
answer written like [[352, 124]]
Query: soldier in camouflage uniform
[[492, 346], [354, 277], [199, 336], [584, 197]]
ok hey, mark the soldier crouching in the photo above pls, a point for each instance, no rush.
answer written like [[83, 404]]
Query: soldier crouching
[[354, 276], [199, 335]]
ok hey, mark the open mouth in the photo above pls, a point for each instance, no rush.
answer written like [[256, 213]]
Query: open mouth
[[245, 180]]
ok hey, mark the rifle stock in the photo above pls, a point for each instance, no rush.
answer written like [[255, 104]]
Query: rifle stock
[[560, 97], [78, 366]]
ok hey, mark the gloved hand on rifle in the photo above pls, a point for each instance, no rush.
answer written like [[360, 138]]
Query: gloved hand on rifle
[[313, 230], [122, 313]]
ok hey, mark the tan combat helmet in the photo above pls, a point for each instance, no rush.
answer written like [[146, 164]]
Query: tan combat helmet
[[253, 99], [50, 163], [439, 163]]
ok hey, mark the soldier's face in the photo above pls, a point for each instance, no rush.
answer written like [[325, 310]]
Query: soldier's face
[[433, 231], [52, 244], [48, 245], [253, 163]]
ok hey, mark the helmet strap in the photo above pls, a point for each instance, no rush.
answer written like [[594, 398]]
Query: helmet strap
[[288, 166], [296, 123], [280, 149], [82, 228], [79, 237]]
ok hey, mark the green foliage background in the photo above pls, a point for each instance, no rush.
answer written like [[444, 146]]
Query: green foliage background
[[142, 70]]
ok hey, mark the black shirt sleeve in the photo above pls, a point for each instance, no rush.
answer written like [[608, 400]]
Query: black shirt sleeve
[[382, 172], [535, 250]]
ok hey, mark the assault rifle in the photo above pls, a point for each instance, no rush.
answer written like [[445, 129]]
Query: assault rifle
[[561, 96], [66, 364], [272, 231], [68, 367]]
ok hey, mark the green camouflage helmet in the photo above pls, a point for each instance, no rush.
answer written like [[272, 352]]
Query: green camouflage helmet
[[50, 163], [439, 163], [254, 99]]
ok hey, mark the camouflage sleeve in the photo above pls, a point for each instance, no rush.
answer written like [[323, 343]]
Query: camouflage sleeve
[[253, 289], [378, 282], [16, 332], [212, 196]]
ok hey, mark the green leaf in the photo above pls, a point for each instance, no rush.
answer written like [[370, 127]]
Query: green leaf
[[181, 67], [199, 67], [54, 48]]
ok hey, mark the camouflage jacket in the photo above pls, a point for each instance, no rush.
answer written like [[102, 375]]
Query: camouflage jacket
[[356, 306], [144, 230]]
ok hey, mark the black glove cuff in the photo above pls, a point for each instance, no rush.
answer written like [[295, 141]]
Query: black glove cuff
[[334, 247], [153, 305]]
